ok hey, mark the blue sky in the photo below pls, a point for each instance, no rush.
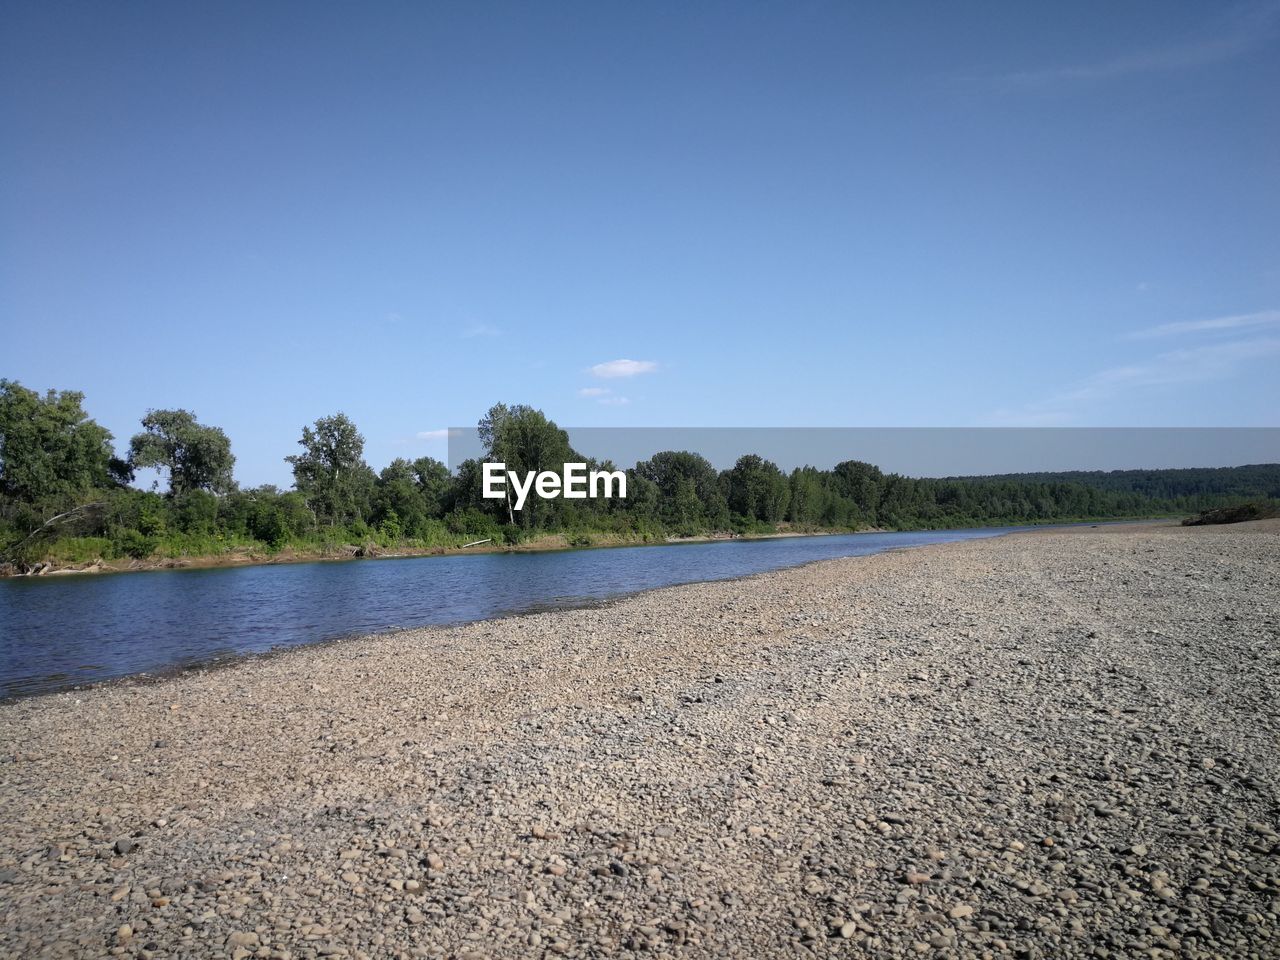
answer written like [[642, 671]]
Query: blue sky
[[820, 214]]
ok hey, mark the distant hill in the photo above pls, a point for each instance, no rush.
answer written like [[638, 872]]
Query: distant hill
[[1251, 480]]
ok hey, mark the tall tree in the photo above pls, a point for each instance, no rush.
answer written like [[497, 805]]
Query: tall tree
[[757, 489], [51, 453], [433, 480], [524, 439], [688, 489], [196, 457], [331, 472]]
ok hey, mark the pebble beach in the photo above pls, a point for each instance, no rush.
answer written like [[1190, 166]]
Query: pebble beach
[[1048, 744]]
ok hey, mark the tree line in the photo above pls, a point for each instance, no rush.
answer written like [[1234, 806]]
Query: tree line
[[66, 495]]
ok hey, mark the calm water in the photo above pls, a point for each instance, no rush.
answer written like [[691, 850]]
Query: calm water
[[62, 631]]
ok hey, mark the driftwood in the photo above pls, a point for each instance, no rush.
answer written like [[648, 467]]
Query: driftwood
[[72, 514], [476, 543]]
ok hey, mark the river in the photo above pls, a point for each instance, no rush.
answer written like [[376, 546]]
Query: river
[[61, 632]]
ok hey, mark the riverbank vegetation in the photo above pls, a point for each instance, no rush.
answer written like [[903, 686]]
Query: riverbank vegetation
[[67, 497]]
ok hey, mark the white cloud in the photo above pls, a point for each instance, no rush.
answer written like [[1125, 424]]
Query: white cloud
[[436, 434], [594, 391], [615, 401], [613, 369], [480, 330], [1264, 318]]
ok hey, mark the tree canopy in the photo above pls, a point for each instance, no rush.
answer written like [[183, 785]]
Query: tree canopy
[[51, 453], [196, 457], [59, 478]]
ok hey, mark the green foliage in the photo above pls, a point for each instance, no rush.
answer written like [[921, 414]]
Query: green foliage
[[133, 543], [63, 495], [196, 457], [52, 456], [1240, 513], [525, 440], [757, 490], [331, 472]]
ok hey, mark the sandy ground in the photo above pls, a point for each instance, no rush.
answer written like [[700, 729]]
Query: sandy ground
[[1047, 744]]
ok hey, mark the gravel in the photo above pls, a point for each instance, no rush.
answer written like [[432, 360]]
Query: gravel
[[1047, 744]]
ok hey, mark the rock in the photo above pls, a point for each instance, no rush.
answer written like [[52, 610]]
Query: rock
[[960, 911], [125, 846]]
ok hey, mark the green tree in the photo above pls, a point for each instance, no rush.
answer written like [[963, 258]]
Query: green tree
[[757, 489], [398, 501], [688, 488], [331, 472], [52, 455], [434, 481], [196, 457], [524, 439]]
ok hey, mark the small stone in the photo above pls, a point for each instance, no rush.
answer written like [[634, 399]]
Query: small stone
[[125, 932], [960, 911], [847, 930], [124, 846], [412, 886]]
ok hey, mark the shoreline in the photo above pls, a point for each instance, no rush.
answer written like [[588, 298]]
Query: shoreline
[[230, 660], [548, 543], [1035, 744]]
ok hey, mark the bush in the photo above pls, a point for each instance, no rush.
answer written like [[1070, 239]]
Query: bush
[[134, 543], [268, 525], [1241, 512], [81, 549], [196, 512]]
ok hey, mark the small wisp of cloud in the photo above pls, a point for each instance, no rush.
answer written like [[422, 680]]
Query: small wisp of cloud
[[1241, 31], [436, 434], [603, 395], [615, 369], [1218, 359], [1263, 318], [477, 330]]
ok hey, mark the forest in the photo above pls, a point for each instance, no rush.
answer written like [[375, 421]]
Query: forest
[[67, 495]]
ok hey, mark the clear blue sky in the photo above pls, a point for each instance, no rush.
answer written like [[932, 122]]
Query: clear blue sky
[[787, 214]]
